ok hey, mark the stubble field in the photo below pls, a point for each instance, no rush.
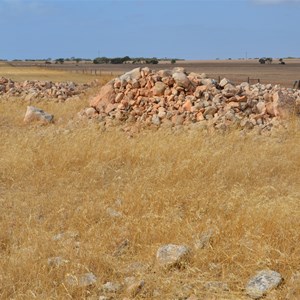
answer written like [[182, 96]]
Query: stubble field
[[104, 203]]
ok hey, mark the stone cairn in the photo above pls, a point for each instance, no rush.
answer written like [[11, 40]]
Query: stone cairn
[[33, 89], [174, 97]]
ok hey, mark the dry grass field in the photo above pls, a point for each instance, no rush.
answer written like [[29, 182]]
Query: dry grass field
[[99, 188]]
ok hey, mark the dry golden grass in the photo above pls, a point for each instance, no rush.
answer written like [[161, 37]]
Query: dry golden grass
[[21, 73], [169, 187]]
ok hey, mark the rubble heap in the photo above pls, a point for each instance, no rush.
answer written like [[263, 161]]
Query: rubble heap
[[175, 97], [34, 89]]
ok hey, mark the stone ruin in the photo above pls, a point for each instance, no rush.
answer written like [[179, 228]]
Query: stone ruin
[[144, 97]]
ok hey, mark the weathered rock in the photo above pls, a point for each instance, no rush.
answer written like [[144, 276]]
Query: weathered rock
[[262, 283], [82, 280], [106, 96], [111, 287], [203, 239], [223, 82], [283, 104], [57, 261], [172, 255], [159, 88], [36, 114], [133, 74], [181, 79]]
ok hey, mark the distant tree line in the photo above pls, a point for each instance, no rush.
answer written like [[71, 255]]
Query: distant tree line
[[269, 60], [130, 60]]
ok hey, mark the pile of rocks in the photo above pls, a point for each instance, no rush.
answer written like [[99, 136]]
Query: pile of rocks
[[34, 89], [174, 97]]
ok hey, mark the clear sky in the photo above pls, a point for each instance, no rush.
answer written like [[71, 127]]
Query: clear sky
[[189, 29]]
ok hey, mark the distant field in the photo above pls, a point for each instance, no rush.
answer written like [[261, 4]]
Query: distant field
[[235, 70]]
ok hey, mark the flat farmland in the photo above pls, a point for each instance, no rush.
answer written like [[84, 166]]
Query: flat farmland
[[235, 70]]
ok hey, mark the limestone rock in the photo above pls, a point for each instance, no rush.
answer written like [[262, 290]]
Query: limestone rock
[[133, 74], [172, 255], [262, 283], [106, 96], [36, 114], [111, 287], [181, 79], [82, 280]]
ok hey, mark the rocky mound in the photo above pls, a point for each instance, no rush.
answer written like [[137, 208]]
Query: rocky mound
[[174, 97], [34, 89]]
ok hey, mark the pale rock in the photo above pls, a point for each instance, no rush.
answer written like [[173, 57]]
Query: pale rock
[[203, 239], [159, 88], [155, 120], [172, 255], [181, 79], [83, 280], [36, 114], [224, 81], [210, 110], [133, 74], [111, 287], [57, 261], [262, 283]]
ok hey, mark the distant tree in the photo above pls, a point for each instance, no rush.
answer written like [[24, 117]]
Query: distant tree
[[262, 61], [60, 61], [101, 60], [173, 61], [281, 62], [152, 61], [269, 60]]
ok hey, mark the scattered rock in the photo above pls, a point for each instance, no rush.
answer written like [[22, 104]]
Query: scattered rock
[[57, 261], [263, 282], [111, 287], [172, 255], [203, 239], [35, 114], [33, 89]]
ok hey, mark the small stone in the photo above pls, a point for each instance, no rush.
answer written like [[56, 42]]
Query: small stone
[[56, 261], [262, 283], [113, 213], [223, 82], [172, 255], [111, 287], [87, 279], [204, 239], [155, 120]]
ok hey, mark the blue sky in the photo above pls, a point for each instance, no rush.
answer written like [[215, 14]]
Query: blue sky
[[189, 29]]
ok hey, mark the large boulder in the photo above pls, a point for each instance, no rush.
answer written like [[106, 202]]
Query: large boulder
[[283, 104], [262, 283], [107, 95]]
